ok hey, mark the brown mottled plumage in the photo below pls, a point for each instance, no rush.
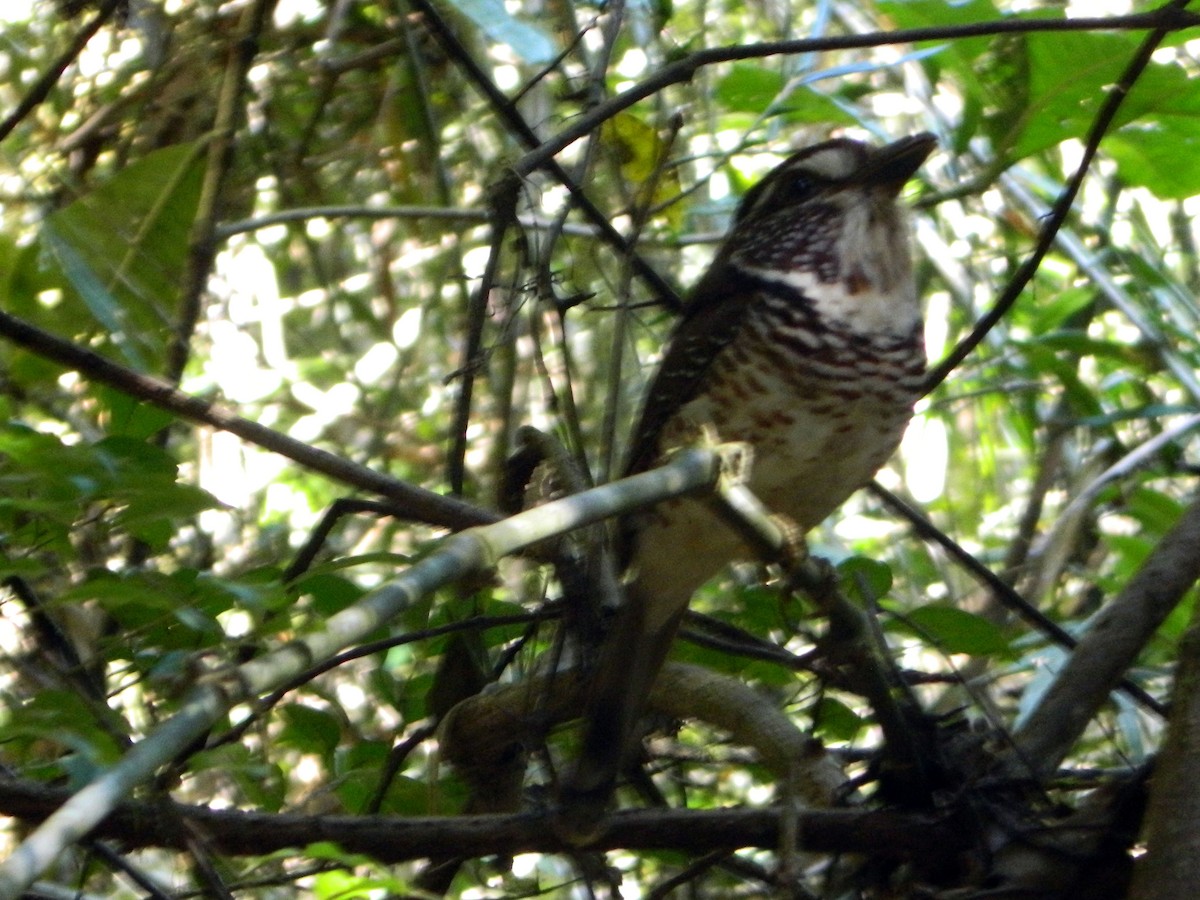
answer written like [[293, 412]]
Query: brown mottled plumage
[[804, 340]]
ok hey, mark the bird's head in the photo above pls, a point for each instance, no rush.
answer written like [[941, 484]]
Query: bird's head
[[826, 221]]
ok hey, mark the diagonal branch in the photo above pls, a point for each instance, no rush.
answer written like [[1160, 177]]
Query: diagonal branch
[[1115, 637], [421, 504], [527, 136], [1001, 590], [462, 555]]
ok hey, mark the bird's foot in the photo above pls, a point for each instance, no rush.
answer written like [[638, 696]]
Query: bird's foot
[[794, 548]]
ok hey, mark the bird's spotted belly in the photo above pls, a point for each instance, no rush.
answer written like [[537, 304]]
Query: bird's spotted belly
[[816, 436]]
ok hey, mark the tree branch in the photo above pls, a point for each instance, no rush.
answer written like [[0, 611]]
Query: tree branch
[[41, 88], [202, 249], [420, 504], [1111, 644], [388, 839], [459, 556]]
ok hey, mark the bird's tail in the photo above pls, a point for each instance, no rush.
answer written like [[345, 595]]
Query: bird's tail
[[631, 656]]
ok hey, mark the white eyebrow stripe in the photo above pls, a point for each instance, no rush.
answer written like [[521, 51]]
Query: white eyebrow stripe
[[832, 163]]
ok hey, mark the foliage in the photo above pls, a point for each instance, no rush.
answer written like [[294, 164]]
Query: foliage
[[296, 210]]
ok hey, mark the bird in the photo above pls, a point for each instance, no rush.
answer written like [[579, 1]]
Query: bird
[[803, 340]]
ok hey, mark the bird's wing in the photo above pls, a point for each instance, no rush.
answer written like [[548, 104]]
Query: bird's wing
[[714, 313]]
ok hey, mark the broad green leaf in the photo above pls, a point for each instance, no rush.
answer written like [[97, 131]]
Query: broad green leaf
[[807, 105], [1148, 154], [637, 146], [865, 579], [351, 883], [1067, 74], [748, 88], [835, 721], [132, 418], [642, 154], [331, 593], [1156, 511], [176, 611], [1049, 314], [955, 630], [61, 719], [261, 782], [123, 249], [309, 730], [759, 90]]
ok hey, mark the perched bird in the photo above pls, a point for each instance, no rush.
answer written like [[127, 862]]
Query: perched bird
[[804, 340]]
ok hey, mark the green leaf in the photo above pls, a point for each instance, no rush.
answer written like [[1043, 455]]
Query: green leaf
[[955, 630], [331, 593], [309, 730], [1148, 155], [123, 249], [758, 90], [807, 105], [835, 721], [1065, 81], [1050, 314], [748, 88], [636, 145], [865, 579], [61, 719], [176, 611], [129, 417], [262, 783], [1156, 511]]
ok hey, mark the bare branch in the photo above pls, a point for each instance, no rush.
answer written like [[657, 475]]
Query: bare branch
[[391, 840], [421, 505], [1171, 17], [1111, 644]]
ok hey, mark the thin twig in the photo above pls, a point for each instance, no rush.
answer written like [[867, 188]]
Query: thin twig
[[1168, 18], [45, 83], [361, 651], [202, 248], [503, 209], [467, 217], [460, 556], [527, 136]]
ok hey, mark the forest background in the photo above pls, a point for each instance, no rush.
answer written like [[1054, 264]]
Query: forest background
[[265, 259]]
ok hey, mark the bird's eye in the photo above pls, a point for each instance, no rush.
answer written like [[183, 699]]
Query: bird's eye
[[800, 186], [782, 188]]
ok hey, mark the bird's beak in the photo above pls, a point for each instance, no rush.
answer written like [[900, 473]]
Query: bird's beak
[[892, 165]]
